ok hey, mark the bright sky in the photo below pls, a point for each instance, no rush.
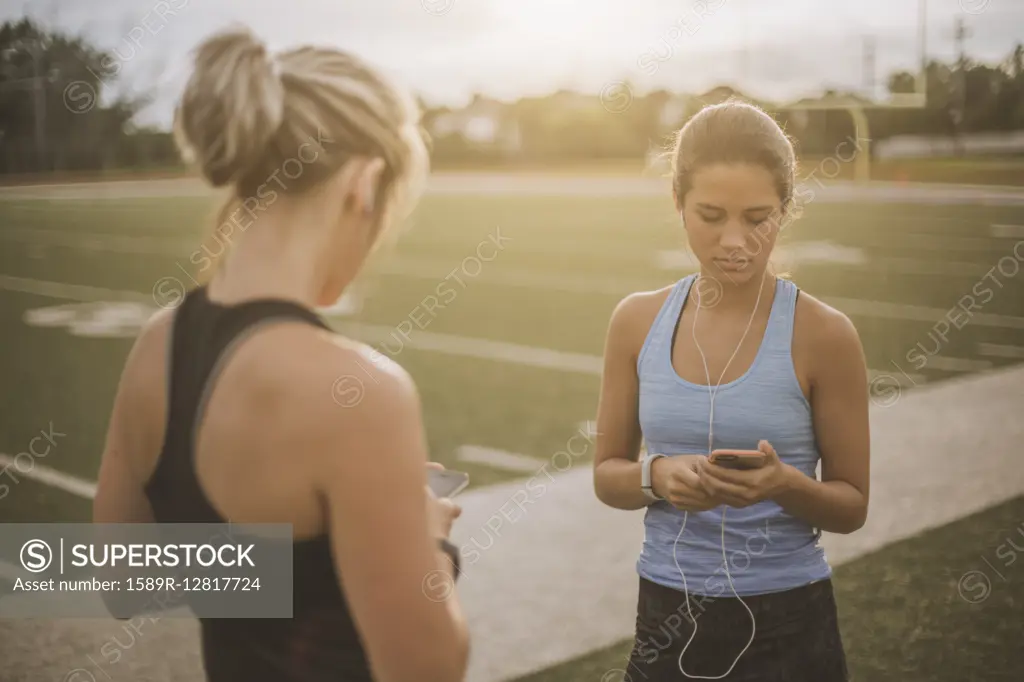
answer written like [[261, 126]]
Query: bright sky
[[447, 49]]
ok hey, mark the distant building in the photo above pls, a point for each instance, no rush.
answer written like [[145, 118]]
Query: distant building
[[975, 144], [484, 123], [675, 112]]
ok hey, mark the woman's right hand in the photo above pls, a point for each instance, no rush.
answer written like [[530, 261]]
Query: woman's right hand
[[441, 511], [676, 479]]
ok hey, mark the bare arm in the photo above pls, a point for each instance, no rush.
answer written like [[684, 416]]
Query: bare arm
[[130, 443], [393, 574], [617, 474], [839, 401], [616, 469]]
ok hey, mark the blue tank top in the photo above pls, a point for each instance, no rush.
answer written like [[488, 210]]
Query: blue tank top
[[767, 549]]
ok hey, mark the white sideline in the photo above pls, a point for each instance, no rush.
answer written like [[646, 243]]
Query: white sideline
[[996, 350], [677, 261], [530, 356], [449, 344], [41, 473], [498, 459], [1004, 231], [850, 306]]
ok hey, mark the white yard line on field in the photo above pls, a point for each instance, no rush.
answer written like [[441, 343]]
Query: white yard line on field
[[71, 292], [41, 473], [498, 459], [948, 364], [1003, 231], [393, 342], [996, 350], [850, 306], [483, 349], [917, 313], [788, 257], [461, 346]]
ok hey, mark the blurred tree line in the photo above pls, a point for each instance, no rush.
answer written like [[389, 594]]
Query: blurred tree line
[[51, 115], [56, 113]]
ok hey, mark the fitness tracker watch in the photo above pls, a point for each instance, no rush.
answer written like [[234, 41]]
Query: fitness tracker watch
[[645, 477], [453, 555]]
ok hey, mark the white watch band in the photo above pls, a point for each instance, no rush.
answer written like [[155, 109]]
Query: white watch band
[[645, 476]]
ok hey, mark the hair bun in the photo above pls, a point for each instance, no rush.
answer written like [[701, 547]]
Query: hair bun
[[231, 108]]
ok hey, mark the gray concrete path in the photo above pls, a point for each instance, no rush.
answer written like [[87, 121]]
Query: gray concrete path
[[550, 571]]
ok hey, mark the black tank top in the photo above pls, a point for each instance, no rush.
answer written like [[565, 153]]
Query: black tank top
[[320, 642]]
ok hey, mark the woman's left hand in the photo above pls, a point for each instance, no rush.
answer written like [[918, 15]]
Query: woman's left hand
[[742, 488]]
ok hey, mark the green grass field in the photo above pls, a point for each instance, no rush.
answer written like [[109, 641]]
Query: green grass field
[[562, 265], [555, 268]]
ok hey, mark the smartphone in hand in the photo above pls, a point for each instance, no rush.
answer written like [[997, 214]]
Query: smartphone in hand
[[738, 459], [446, 483]]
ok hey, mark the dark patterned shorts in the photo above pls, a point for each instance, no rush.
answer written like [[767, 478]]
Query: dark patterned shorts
[[797, 637]]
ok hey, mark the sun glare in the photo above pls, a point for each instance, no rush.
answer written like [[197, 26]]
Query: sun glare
[[572, 21]]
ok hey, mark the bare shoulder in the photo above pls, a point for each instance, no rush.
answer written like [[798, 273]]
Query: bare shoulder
[[633, 316], [330, 395], [149, 353], [140, 406], [821, 331], [143, 379], [329, 375]]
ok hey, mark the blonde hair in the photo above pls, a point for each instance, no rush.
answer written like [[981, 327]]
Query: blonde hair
[[246, 114]]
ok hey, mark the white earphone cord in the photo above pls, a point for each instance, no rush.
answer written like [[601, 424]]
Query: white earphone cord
[[711, 422]]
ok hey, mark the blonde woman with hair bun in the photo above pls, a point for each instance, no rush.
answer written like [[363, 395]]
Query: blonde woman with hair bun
[[241, 405]]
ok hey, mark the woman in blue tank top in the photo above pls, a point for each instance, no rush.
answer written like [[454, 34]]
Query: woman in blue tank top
[[734, 584]]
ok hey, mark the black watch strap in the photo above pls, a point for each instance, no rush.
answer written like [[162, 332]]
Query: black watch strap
[[453, 555]]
